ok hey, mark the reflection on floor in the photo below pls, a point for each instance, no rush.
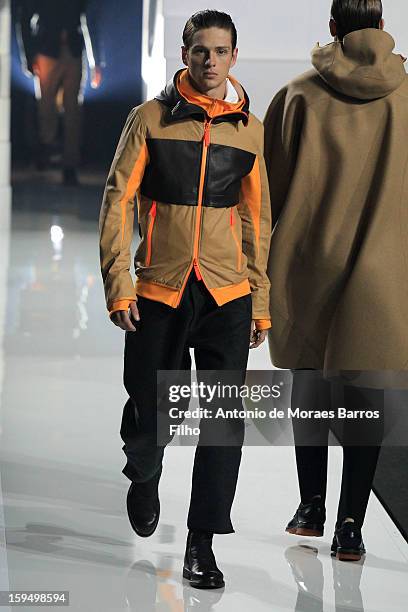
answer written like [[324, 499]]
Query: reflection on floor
[[63, 523]]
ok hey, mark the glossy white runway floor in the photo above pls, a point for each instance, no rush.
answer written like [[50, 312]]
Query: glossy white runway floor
[[63, 521]]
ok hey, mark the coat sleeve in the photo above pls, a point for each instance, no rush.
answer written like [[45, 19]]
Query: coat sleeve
[[25, 40], [91, 17], [117, 213], [255, 212], [283, 126]]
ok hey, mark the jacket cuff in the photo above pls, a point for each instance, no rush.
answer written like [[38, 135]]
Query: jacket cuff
[[120, 305], [262, 324]]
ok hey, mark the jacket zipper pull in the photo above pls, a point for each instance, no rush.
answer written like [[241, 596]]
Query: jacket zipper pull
[[207, 134], [197, 271]]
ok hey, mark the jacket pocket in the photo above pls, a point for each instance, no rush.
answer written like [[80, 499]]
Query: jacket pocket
[[152, 218], [236, 240]]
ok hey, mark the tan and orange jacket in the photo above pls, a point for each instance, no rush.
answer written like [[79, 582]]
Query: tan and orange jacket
[[196, 166]]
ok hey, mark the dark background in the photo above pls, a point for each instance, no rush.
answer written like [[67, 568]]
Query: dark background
[[105, 109]]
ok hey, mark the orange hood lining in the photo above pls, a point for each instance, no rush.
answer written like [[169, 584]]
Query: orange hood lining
[[212, 106]]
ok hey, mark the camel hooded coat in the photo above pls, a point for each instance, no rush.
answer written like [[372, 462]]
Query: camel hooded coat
[[337, 158]]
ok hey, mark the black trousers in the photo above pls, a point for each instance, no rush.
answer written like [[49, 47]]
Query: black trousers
[[361, 441], [220, 338]]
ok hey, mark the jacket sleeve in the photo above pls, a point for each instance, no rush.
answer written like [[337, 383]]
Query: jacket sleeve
[[25, 40], [255, 212], [117, 213], [283, 126], [91, 17]]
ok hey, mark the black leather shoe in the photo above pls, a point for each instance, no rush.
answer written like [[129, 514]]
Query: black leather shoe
[[143, 506], [348, 543], [200, 567], [309, 519]]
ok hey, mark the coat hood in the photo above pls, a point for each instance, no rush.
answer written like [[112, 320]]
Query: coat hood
[[363, 66], [183, 101]]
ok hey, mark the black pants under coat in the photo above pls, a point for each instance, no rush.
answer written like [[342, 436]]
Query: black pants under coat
[[361, 448]]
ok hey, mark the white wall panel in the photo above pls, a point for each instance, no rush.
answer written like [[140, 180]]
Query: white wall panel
[[4, 98], [5, 206], [4, 164], [5, 24], [4, 76], [288, 36], [5, 120], [275, 38], [276, 27]]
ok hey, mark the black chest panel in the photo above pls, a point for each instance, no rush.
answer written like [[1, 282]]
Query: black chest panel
[[226, 166], [173, 173]]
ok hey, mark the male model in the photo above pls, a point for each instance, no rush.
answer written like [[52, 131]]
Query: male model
[[336, 156], [194, 157], [52, 37]]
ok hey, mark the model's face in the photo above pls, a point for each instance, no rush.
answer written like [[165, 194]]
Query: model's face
[[209, 58]]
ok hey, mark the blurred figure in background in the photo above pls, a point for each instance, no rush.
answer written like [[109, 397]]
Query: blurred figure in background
[[52, 38]]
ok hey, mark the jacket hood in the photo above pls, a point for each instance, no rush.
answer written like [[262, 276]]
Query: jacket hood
[[363, 66], [184, 101]]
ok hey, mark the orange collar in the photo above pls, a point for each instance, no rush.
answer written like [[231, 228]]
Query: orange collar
[[212, 106]]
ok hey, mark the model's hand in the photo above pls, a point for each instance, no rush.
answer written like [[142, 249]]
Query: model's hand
[[96, 77], [257, 336], [30, 67], [122, 319]]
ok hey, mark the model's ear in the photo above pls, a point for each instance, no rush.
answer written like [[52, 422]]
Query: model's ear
[[184, 55], [382, 24], [234, 57], [333, 28]]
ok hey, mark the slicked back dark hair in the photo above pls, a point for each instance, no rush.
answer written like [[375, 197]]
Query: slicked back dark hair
[[352, 15], [208, 19]]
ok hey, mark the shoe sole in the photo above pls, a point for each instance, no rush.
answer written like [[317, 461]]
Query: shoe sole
[[348, 555], [187, 576], [303, 531]]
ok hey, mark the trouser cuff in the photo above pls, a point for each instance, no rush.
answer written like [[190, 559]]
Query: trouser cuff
[[200, 526]]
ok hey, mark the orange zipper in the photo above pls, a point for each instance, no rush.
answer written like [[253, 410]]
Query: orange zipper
[[194, 264], [152, 215], [197, 271], [234, 234]]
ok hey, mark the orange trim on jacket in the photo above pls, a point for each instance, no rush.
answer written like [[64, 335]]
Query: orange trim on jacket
[[167, 296], [171, 297], [212, 106], [152, 215], [158, 293], [262, 324], [121, 305], [222, 295], [206, 144]]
